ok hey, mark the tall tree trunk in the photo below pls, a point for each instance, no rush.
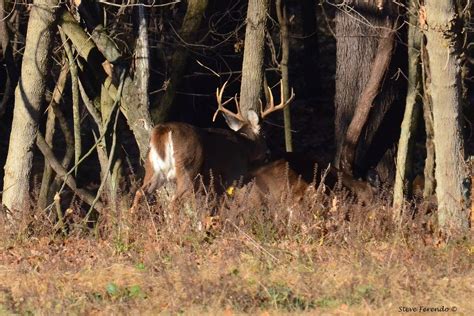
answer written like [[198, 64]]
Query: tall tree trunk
[[367, 97], [44, 196], [412, 111], [429, 170], [28, 101], [187, 33], [359, 28], [285, 56], [445, 89], [252, 67]]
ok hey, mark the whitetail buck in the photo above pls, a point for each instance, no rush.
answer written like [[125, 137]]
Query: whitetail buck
[[180, 152]]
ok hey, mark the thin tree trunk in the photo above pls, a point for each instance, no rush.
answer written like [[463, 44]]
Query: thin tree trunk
[[252, 67], [285, 56], [445, 89], [76, 118], [187, 33], [28, 101], [45, 197], [429, 170], [412, 112]]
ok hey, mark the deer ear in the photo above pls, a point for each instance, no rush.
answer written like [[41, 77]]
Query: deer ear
[[233, 123], [253, 119]]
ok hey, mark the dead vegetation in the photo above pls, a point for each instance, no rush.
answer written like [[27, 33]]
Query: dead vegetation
[[324, 254]]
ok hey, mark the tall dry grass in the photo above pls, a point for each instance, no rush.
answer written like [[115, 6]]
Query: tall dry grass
[[326, 254]]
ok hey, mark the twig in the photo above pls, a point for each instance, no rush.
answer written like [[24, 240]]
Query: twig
[[255, 243]]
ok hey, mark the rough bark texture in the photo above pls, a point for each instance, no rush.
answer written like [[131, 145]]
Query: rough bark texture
[[366, 99], [188, 32], [412, 111], [136, 92], [252, 67], [358, 35], [29, 97], [445, 89]]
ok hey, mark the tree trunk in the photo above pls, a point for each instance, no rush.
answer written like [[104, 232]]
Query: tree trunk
[[285, 56], [359, 29], [366, 99], [45, 197], [429, 170], [187, 33], [252, 67], [412, 112], [137, 114], [28, 101], [445, 88], [76, 118]]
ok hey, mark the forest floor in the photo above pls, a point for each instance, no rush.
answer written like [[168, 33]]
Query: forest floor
[[328, 255]]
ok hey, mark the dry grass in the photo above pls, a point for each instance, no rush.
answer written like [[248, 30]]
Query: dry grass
[[326, 255]]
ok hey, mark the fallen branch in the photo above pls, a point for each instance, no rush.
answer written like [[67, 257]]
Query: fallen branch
[[61, 172]]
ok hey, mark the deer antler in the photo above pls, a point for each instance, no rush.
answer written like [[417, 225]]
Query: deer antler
[[221, 108], [270, 108]]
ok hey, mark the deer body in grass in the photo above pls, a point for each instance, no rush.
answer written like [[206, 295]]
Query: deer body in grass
[[180, 152], [295, 175]]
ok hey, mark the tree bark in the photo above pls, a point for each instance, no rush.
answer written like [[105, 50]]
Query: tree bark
[[366, 100], [445, 88], [28, 101], [252, 66], [412, 112], [360, 25], [187, 33]]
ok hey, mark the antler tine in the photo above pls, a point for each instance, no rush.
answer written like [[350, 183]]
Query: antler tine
[[271, 106], [220, 105]]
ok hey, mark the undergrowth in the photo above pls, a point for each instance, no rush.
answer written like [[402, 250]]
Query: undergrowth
[[325, 254]]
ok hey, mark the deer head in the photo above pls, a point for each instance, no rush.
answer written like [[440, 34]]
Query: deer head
[[248, 125]]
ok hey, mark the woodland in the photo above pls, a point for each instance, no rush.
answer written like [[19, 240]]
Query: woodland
[[236, 156]]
